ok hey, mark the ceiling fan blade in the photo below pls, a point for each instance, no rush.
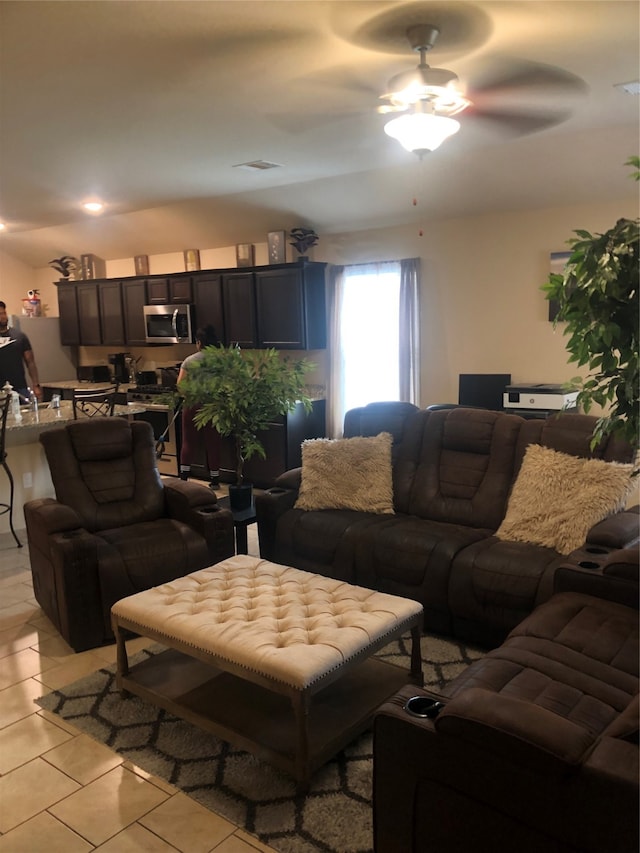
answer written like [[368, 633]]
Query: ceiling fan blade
[[522, 84], [516, 123]]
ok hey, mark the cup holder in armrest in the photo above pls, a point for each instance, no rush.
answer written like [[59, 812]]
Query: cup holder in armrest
[[423, 706], [594, 549], [275, 490], [588, 564]]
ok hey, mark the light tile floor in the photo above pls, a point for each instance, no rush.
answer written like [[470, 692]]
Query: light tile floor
[[61, 791]]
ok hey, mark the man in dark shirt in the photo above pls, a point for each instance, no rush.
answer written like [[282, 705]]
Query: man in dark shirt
[[15, 353]]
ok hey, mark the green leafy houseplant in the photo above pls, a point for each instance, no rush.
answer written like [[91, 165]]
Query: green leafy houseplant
[[598, 300], [240, 392]]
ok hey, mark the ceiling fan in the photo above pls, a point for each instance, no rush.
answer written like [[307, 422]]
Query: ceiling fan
[[521, 96]]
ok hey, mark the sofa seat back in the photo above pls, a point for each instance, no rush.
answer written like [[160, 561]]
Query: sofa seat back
[[457, 465], [571, 433], [104, 469]]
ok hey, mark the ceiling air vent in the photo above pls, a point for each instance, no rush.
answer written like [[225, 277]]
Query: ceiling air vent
[[257, 166]]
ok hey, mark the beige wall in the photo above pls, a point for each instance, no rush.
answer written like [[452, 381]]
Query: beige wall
[[481, 307]]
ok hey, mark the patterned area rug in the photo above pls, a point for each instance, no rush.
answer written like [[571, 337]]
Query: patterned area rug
[[335, 814]]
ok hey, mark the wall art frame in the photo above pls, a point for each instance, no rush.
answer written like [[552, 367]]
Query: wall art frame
[[245, 255], [276, 241], [141, 263], [191, 260]]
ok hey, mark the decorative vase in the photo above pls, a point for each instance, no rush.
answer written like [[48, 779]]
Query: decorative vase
[[240, 497]]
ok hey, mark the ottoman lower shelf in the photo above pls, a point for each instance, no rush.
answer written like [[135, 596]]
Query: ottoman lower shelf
[[261, 721]]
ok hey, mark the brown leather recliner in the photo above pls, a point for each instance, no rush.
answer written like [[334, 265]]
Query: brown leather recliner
[[534, 746], [116, 528]]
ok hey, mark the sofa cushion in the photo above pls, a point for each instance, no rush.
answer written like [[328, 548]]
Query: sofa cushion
[[347, 473], [557, 498]]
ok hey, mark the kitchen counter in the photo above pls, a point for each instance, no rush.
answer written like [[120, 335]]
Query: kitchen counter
[[32, 424]]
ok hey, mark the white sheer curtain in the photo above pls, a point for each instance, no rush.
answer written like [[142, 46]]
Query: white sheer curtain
[[373, 336]]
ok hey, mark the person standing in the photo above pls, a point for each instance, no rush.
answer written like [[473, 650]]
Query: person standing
[[15, 354], [205, 337]]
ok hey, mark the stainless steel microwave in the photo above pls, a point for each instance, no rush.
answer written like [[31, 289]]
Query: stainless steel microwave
[[167, 324]]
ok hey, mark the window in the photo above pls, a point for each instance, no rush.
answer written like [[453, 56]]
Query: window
[[369, 330], [374, 336]]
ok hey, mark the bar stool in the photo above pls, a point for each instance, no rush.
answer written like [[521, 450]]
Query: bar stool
[[6, 507], [89, 404]]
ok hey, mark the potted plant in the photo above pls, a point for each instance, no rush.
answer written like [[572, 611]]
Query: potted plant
[[302, 240], [598, 300], [65, 265], [239, 393]]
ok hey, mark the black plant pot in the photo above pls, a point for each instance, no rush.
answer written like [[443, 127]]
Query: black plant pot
[[241, 497]]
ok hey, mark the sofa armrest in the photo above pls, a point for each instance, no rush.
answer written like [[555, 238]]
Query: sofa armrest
[[515, 730], [618, 531], [271, 505], [197, 506], [45, 517], [616, 578], [290, 479]]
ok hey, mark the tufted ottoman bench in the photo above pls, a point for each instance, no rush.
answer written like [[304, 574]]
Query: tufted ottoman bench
[[270, 658]]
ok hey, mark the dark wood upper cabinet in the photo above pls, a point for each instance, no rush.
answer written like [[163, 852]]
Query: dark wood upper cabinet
[[111, 314], [239, 307], [175, 290], [280, 306], [134, 298], [290, 307], [68, 310], [207, 302], [89, 314]]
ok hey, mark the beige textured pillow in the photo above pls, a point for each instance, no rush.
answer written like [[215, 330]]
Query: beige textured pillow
[[557, 498], [347, 473]]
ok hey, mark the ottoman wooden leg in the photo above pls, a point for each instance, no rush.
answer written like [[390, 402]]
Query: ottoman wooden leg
[[417, 676], [300, 703]]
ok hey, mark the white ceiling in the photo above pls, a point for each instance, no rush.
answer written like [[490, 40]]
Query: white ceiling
[[149, 105]]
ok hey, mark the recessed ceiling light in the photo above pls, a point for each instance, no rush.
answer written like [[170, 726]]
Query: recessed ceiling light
[[2, 226], [93, 206]]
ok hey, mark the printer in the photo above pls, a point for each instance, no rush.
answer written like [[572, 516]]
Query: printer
[[539, 400]]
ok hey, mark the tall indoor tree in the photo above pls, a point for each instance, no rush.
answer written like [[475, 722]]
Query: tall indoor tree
[[597, 296]]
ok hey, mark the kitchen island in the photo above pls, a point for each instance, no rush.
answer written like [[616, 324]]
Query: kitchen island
[[27, 461]]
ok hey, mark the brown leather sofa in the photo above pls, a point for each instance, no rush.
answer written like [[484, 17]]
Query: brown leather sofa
[[533, 747], [452, 474], [116, 527]]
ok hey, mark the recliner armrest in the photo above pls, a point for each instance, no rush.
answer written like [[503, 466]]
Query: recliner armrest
[[197, 506], [271, 505], [620, 530], [47, 516], [614, 579], [516, 730]]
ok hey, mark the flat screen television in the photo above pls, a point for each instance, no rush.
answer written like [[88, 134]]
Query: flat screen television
[[482, 390]]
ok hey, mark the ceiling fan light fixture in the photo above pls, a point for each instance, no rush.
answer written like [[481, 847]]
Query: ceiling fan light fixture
[[419, 132]]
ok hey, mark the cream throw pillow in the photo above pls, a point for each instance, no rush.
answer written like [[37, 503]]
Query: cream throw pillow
[[557, 498], [347, 473]]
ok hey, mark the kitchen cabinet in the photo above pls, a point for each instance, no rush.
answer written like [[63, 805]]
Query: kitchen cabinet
[[111, 315], [280, 306], [239, 310], [134, 296], [290, 307], [207, 302], [174, 290], [282, 443], [89, 314], [68, 310]]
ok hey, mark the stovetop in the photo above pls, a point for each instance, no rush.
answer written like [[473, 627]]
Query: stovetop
[[157, 395], [155, 389]]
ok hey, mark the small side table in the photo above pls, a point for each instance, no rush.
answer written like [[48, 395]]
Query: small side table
[[241, 520]]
